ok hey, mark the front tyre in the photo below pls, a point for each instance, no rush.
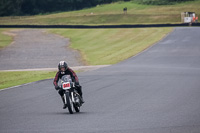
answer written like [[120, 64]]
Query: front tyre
[[69, 103]]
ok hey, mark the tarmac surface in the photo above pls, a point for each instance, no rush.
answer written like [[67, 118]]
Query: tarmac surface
[[157, 91], [34, 48]]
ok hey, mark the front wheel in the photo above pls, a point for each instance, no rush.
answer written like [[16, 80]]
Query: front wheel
[[69, 103]]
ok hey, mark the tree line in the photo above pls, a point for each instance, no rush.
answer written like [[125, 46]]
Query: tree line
[[32, 7]]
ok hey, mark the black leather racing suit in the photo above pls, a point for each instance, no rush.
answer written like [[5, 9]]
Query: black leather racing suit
[[74, 77]]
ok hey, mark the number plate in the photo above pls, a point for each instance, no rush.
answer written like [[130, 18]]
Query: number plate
[[66, 85]]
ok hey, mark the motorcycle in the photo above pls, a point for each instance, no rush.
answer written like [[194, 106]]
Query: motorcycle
[[71, 97]]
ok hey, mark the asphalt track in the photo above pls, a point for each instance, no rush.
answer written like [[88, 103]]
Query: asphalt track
[[157, 91], [34, 48]]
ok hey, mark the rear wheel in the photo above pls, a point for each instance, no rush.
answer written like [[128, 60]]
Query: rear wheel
[[77, 106], [69, 103]]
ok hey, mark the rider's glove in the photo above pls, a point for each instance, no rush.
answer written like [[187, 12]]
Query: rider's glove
[[57, 87]]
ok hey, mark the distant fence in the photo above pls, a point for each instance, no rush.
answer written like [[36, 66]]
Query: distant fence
[[99, 26]]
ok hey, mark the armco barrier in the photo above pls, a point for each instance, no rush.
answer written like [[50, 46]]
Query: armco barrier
[[99, 26]]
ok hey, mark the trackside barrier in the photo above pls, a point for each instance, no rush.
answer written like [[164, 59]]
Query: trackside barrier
[[99, 26]]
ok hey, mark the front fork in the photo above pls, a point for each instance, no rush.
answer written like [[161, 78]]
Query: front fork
[[64, 98], [71, 96]]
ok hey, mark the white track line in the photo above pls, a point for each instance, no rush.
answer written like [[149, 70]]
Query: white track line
[[85, 68], [15, 86], [55, 69]]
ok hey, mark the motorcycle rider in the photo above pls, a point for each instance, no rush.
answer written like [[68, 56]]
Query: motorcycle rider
[[63, 69]]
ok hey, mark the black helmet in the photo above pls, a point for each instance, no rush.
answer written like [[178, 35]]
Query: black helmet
[[62, 64]]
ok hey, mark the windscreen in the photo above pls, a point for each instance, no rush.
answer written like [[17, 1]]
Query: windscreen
[[66, 78]]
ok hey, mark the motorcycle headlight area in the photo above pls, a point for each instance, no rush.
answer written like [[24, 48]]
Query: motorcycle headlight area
[[66, 85]]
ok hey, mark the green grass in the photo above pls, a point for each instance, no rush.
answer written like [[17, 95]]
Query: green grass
[[110, 46], [111, 14], [97, 46], [9, 79], [5, 40]]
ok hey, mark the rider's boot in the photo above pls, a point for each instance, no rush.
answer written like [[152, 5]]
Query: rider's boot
[[65, 105], [82, 101], [79, 89]]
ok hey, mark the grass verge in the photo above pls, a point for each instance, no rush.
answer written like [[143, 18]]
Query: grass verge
[[9, 79], [97, 46], [110, 14], [110, 46], [5, 40]]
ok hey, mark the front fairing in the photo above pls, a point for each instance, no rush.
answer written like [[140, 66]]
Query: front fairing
[[66, 82]]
